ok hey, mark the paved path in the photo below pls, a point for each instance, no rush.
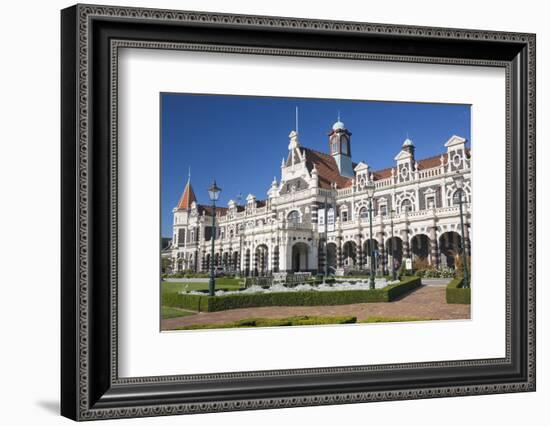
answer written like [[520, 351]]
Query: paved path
[[426, 302], [436, 281]]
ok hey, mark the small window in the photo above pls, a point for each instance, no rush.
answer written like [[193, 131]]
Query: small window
[[383, 210], [345, 216], [406, 205], [430, 201], [364, 213]]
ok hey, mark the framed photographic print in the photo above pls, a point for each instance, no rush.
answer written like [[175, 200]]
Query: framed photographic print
[[264, 212]]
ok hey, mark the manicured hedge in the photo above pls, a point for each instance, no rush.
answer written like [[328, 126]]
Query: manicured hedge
[[275, 322], [456, 294], [303, 298]]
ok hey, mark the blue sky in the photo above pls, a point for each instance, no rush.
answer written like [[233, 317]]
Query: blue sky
[[240, 140]]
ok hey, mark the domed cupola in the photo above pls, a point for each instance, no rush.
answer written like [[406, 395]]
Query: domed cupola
[[340, 147], [338, 125], [408, 146]]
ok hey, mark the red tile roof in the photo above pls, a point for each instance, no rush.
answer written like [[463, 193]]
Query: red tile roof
[[382, 174], [187, 198], [430, 162], [327, 169], [208, 210]]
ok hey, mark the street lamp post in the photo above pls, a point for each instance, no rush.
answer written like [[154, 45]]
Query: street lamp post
[[370, 195], [213, 193], [459, 183], [393, 274]]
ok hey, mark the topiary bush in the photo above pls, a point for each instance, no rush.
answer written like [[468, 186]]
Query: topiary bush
[[456, 294]]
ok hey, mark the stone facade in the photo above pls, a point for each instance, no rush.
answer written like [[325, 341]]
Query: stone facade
[[285, 232]]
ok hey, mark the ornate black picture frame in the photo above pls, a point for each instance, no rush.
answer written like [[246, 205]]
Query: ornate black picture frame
[[91, 387]]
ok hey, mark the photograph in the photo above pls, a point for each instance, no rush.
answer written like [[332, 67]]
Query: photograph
[[265, 208], [279, 211]]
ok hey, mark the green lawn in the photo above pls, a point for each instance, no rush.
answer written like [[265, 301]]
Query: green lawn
[[394, 319], [221, 284], [169, 312], [298, 320]]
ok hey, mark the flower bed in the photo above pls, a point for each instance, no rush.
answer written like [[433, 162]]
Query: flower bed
[[205, 303]]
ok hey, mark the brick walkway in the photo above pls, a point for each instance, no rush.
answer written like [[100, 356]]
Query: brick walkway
[[425, 302]]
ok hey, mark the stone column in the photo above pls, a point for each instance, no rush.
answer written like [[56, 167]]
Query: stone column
[[434, 247], [263, 262], [229, 261], [359, 243], [314, 212], [382, 250], [203, 261], [275, 259], [339, 253], [322, 256], [406, 243], [247, 262], [255, 268]]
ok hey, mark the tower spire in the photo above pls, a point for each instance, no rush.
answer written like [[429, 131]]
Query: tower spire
[[188, 196]]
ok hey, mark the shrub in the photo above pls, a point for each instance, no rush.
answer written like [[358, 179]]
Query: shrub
[[456, 294], [421, 263], [459, 266], [275, 322], [432, 272], [303, 298]]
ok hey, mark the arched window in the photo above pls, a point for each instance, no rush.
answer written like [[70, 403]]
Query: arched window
[[344, 147], [294, 216], [364, 213], [335, 144], [456, 197], [406, 205]]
